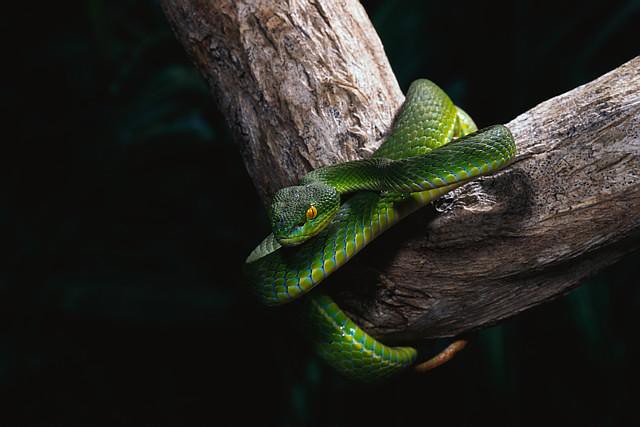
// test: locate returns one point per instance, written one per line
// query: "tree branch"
(301, 84)
(306, 84)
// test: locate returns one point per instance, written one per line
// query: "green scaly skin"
(414, 166)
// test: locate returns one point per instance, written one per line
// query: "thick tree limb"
(302, 84)
(305, 84)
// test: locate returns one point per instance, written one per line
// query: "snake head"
(300, 212)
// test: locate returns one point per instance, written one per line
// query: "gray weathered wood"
(566, 208)
(306, 83)
(302, 84)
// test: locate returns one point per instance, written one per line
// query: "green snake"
(337, 210)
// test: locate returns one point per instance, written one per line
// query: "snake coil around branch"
(307, 84)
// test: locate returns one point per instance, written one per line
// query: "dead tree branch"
(304, 84)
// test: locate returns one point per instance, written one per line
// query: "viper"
(335, 211)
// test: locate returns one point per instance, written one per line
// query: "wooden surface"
(304, 84)
(301, 84)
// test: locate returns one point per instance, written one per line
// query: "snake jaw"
(287, 240)
(299, 234)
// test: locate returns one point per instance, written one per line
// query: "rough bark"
(302, 84)
(305, 83)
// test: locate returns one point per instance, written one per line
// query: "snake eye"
(312, 212)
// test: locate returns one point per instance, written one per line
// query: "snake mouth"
(289, 241)
(300, 234)
(292, 240)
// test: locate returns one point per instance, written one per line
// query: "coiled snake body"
(414, 166)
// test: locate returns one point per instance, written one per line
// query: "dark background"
(129, 214)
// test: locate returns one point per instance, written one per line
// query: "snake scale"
(335, 211)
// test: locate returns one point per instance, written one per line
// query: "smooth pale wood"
(304, 84)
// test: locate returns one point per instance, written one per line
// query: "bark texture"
(306, 83)
(302, 84)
